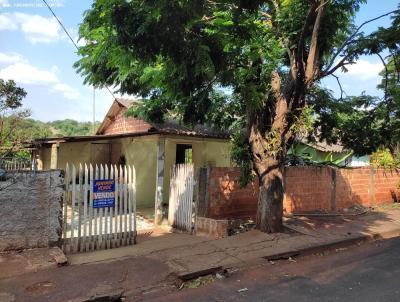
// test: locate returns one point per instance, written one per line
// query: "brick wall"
(30, 210)
(225, 197)
(124, 124)
(307, 189)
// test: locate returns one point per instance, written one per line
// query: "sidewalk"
(154, 260)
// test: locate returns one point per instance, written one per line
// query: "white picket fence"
(86, 228)
(180, 212)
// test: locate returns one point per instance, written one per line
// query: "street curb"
(319, 248)
(342, 243)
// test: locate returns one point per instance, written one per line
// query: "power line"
(69, 36)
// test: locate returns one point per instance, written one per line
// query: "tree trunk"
(270, 200)
(269, 133)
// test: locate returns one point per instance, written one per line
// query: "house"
(152, 148)
(321, 152)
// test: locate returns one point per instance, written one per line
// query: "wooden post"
(54, 156)
(158, 214)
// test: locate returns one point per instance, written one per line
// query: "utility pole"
(94, 111)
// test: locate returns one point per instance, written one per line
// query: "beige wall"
(214, 152)
(45, 158)
(142, 153)
(74, 153)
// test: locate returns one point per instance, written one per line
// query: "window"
(184, 154)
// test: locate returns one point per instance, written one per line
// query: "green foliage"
(304, 122)
(352, 122)
(241, 155)
(384, 158)
(11, 117)
(10, 95)
(176, 54)
(365, 123)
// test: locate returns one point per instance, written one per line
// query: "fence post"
(134, 203)
(106, 210)
(65, 208)
(333, 189)
(85, 209)
(371, 190)
(73, 239)
(158, 211)
(125, 205)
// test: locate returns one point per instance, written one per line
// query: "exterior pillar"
(158, 214)
(54, 156)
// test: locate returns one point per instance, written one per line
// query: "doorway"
(184, 154)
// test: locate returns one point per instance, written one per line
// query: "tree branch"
(300, 44)
(386, 74)
(351, 37)
(313, 53)
(338, 65)
(340, 86)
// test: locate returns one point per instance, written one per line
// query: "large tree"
(251, 63)
(11, 116)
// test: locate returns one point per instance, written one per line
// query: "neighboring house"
(321, 152)
(152, 148)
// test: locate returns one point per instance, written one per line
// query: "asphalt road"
(370, 272)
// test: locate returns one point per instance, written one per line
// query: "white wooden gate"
(180, 212)
(86, 228)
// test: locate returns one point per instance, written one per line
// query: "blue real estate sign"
(104, 193)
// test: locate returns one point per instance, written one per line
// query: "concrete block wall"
(30, 210)
(307, 189)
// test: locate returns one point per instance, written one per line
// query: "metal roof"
(152, 131)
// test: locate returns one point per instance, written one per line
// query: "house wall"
(74, 153)
(307, 189)
(77, 153)
(213, 152)
(45, 158)
(142, 153)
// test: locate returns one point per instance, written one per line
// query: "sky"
(36, 53)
